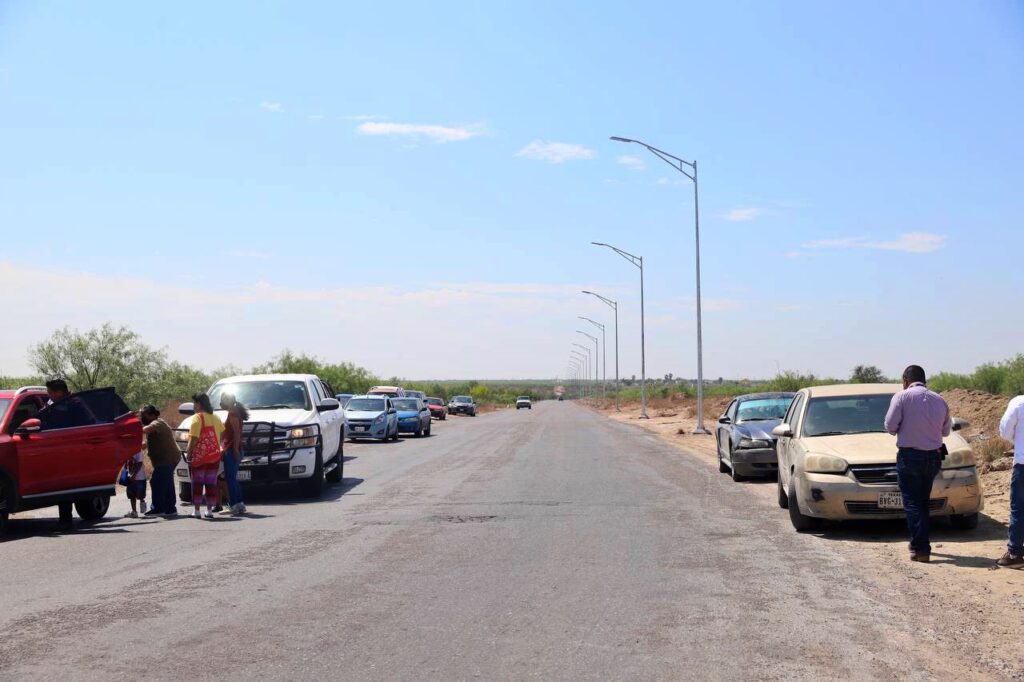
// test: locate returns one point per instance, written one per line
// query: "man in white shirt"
(1011, 427)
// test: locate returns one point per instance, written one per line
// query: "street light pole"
(584, 361)
(615, 307)
(680, 165)
(587, 349)
(637, 261)
(597, 354)
(604, 357)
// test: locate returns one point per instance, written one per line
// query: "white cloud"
(739, 215)
(555, 152)
(631, 162)
(316, 117)
(909, 242)
(364, 117)
(437, 133)
(273, 107)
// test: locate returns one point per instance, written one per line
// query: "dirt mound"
(983, 410)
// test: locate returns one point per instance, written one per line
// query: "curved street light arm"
(637, 261)
(670, 159)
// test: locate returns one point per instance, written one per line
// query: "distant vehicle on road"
(837, 462)
(343, 398)
(42, 467)
(389, 391)
(437, 408)
(295, 431)
(746, 445)
(416, 394)
(462, 404)
(413, 416)
(524, 401)
(371, 416)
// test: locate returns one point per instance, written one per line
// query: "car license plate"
(361, 428)
(890, 500)
(244, 475)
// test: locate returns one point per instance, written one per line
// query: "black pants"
(162, 485)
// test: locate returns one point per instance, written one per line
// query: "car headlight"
(824, 464)
(959, 458)
(379, 419)
(754, 443)
(303, 436)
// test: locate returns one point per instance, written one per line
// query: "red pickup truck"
(42, 467)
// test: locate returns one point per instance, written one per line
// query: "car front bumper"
(377, 431)
(755, 461)
(461, 409)
(842, 498)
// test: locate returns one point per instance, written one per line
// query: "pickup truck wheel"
(314, 485)
(964, 521)
(185, 492)
(801, 522)
(93, 508)
(338, 473)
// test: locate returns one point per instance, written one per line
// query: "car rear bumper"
(755, 461)
(841, 498)
(410, 427)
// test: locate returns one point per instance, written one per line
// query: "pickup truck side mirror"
(328, 404)
(724, 420)
(29, 426)
(960, 423)
(782, 431)
(186, 408)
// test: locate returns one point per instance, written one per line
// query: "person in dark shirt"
(64, 411)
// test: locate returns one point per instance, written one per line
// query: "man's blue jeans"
(162, 485)
(916, 471)
(1016, 543)
(231, 477)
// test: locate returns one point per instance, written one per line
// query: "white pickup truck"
(294, 432)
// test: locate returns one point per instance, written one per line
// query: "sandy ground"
(962, 579)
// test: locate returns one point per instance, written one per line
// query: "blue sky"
(414, 187)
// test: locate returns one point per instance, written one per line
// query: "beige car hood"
(866, 448)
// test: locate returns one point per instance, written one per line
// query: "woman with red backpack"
(204, 454)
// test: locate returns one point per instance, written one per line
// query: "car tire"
(783, 500)
(185, 492)
(801, 522)
(313, 486)
(336, 474)
(394, 436)
(5, 500)
(737, 478)
(427, 432)
(722, 468)
(418, 433)
(964, 521)
(93, 508)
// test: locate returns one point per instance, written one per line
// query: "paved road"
(544, 544)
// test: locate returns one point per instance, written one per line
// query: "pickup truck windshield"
(401, 404)
(264, 395)
(462, 399)
(848, 414)
(365, 405)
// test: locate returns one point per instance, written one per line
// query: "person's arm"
(947, 426)
(193, 436)
(1010, 421)
(894, 417)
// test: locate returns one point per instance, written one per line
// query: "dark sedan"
(746, 446)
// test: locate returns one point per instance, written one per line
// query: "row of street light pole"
(580, 364)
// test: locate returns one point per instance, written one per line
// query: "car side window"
(316, 392)
(794, 412)
(27, 408)
(733, 408)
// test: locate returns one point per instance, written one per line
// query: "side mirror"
(186, 408)
(960, 423)
(29, 426)
(782, 431)
(724, 420)
(328, 404)
(391, 411)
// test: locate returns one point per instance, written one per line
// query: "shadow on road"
(287, 494)
(895, 530)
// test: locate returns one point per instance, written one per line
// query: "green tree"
(344, 377)
(867, 374)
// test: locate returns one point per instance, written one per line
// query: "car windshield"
(763, 409)
(523, 397)
(366, 405)
(461, 399)
(846, 414)
(264, 395)
(434, 401)
(405, 404)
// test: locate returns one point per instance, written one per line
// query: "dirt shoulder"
(971, 606)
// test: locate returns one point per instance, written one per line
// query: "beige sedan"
(837, 462)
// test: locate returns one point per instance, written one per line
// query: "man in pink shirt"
(919, 418)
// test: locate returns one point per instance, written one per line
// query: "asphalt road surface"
(549, 544)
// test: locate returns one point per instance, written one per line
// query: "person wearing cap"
(919, 418)
(165, 455)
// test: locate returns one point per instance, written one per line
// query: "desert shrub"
(946, 381)
(990, 449)
(867, 374)
(988, 377)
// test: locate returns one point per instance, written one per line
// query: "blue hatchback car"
(413, 416)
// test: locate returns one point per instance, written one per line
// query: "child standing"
(135, 485)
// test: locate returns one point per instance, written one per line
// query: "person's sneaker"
(920, 558)
(1011, 560)
(238, 509)
(208, 515)
(170, 515)
(196, 514)
(152, 512)
(241, 508)
(218, 508)
(142, 507)
(131, 515)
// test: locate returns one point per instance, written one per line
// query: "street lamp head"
(616, 138)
